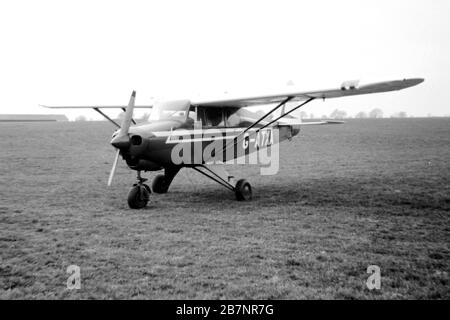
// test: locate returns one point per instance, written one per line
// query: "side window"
(213, 117)
(233, 118)
(192, 115)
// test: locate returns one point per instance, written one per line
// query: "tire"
(243, 190)
(159, 184)
(138, 197)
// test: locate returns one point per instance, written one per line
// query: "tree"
(311, 116)
(303, 115)
(401, 114)
(81, 118)
(361, 115)
(338, 114)
(376, 113)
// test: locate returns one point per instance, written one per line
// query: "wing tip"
(414, 81)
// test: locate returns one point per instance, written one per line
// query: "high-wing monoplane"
(194, 134)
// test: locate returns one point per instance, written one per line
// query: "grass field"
(369, 192)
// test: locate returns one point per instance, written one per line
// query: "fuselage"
(153, 144)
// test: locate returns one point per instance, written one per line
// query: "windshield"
(172, 110)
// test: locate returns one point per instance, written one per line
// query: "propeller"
(113, 170)
(122, 140)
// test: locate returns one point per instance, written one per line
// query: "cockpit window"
(233, 117)
(172, 110)
(219, 117)
(214, 117)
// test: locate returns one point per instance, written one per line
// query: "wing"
(92, 107)
(97, 108)
(348, 88)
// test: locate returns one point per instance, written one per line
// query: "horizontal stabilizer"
(299, 122)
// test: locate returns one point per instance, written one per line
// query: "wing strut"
(215, 177)
(234, 141)
(108, 118)
(283, 115)
(282, 103)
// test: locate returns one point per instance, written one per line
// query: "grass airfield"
(369, 192)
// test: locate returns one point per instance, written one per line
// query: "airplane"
(200, 124)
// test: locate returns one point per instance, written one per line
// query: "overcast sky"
(97, 52)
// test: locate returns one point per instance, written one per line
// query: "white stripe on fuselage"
(197, 131)
(199, 134)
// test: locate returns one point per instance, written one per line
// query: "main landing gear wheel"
(160, 184)
(243, 190)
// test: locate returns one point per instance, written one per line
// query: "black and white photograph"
(237, 153)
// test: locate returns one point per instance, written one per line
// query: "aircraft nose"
(121, 142)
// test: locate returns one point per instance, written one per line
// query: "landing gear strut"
(242, 189)
(139, 194)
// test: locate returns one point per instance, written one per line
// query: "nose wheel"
(139, 194)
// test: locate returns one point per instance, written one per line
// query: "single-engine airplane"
(200, 124)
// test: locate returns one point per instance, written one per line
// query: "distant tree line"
(401, 114)
(376, 113)
(119, 118)
(81, 118)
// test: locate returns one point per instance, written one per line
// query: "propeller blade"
(113, 170)
(128, 116)
(121, 140)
